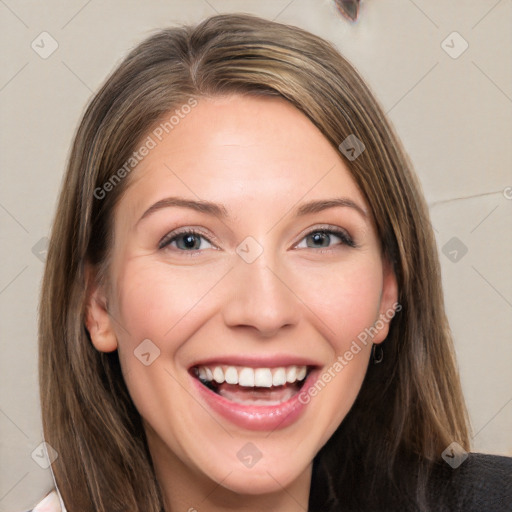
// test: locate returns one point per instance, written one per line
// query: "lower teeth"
(266, 397)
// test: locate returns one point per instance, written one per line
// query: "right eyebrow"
(217, 210)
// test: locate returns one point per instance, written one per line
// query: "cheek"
(164, 305)
(346, 298)
(154, 299)
(347, 304)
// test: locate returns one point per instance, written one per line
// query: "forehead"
(240, 150)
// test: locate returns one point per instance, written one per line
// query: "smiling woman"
(251, 316)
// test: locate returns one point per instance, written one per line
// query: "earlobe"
(97, 318)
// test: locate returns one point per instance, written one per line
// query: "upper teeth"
(252, 377)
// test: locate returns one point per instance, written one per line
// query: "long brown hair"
(410, 406)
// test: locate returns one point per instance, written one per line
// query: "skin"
(261, 159)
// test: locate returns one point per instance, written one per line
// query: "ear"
(389, 301)
(97, 318)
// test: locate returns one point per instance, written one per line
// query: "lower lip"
(253, 417)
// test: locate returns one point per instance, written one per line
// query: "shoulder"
(481, 482)
(50, 503)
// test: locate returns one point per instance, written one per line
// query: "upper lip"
(257, 361)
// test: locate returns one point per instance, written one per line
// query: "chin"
(259, 480)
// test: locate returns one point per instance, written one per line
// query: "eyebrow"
(324, 204)
(207, 207)
(220, 211)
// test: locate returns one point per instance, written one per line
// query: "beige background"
(453, 114)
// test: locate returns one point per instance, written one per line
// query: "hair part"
(410, 406)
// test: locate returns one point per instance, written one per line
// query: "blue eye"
(321, 238)
(186, 241)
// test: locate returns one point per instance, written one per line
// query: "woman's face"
(281, 274)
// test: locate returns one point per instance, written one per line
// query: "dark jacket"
(482, 483)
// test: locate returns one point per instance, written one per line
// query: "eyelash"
(345, 238)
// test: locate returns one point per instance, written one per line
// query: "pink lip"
(252, 417)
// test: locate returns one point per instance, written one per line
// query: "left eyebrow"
(324, 204)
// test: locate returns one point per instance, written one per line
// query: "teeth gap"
(211, 385)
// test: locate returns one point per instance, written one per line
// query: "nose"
(261, 298)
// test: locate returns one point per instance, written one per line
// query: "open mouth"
(253, 386)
